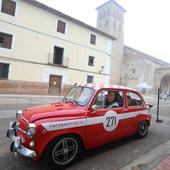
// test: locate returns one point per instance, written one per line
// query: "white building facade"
(42, 48)
(43, 51)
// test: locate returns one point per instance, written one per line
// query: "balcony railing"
(64, 63)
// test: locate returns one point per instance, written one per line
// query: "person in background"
(129, 101)
(167, 95)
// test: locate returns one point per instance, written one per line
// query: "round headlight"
(31, 131)
(32, 144)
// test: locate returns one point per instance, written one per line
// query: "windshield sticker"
(49, 126)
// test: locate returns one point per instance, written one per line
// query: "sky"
(146, 26)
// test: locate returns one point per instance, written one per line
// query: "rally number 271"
(111, 121)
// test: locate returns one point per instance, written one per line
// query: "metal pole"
(157, 120)
(158, 105)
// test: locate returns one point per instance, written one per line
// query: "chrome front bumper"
(15, 142)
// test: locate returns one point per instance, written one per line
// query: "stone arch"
(165, 83)
(162, 79)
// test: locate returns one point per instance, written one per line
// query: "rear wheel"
(62, 152)
(142, 129)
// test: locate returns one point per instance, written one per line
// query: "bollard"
(157, 119)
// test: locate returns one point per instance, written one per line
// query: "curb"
(151, 159)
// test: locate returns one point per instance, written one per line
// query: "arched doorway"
(162, 80)
(165, 84)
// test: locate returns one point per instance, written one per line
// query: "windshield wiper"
(70, 100)
(73, 101)
(65, 99)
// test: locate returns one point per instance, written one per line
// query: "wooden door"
(55, 84)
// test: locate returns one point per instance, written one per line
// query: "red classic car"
(90, 115)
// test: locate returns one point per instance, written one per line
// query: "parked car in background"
(90, 115)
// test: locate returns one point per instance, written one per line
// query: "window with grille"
(8, 7)
(4, 70)
(91, 61)
(61, 27)
(93, 39)
(5, 40)
(90, 79)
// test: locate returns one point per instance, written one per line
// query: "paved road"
(113, 156)
(12, 102)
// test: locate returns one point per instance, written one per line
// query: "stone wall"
(23, 87)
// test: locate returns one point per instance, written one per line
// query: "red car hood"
(51, 110)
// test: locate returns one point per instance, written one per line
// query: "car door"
(134, 107)
(103, 123)
(125, 124)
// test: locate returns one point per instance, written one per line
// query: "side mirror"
(94, 108)
(148, 107)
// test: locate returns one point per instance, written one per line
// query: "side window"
(100, 99)
(109, 99)
(133, 99)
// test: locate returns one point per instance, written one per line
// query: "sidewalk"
(8, 113)
(157, 159)
(28, 96)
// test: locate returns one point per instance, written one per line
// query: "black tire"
(62, 152)
(142, 129)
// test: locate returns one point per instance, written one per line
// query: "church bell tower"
(110, 19)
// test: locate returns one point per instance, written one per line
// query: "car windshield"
(79, 95)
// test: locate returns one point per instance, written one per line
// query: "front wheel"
(142, 129)
(62, 152)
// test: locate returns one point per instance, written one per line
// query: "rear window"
(133, 99)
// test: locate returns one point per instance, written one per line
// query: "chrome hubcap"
(65, 151)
